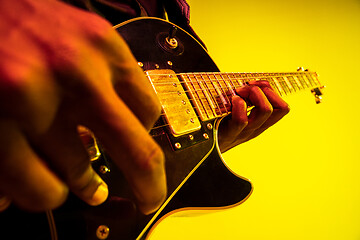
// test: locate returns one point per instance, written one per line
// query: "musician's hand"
(239, 127)
(61, 67)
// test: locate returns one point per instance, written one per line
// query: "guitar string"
(203, 99)
(292, 82)
(243, 80)
(239, 75)
(167, 124)
(206, 109)
(242, 74)
(227, 89)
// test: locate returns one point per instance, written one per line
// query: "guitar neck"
(211, 92)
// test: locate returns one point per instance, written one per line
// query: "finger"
(131, 148)
(4, 203)
(135, 90)
(130, 82)
(280, 107)
(260, 84)
(231, 126)
(24, 177)
(276, 101)
(66, 154)
(262, 108)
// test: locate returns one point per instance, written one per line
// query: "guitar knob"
(171, 40)
(172, 43)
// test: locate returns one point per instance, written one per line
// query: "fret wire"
(301, 80)
(294, 83)
(276, 84)
(309, 77)
(273, 85)
(200, 98)
(298, 82)
(283, 84)
(291, 82)
(226, 87)
(308, 83)
(212, 94)
(217, 88)
(227, 74)
(306, 80)
(240, 80)
(220, 91)
(224, 95)
(196, 92)
(203, 90)
(290, 87)
(225, 79)
(200, 93)
(236, 84)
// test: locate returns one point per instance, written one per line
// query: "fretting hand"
(239, 127)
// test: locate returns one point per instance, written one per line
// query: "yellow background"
(305, 170)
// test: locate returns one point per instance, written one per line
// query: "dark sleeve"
(117, 11)
(179, 14)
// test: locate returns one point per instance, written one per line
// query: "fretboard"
(211, 92)
(187, 98)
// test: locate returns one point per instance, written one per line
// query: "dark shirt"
(117, 11)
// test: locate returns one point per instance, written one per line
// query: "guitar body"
(196, 175)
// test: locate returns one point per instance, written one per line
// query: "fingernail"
(4, 203)
(100, 195)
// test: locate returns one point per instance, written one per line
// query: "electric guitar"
(194, 96)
